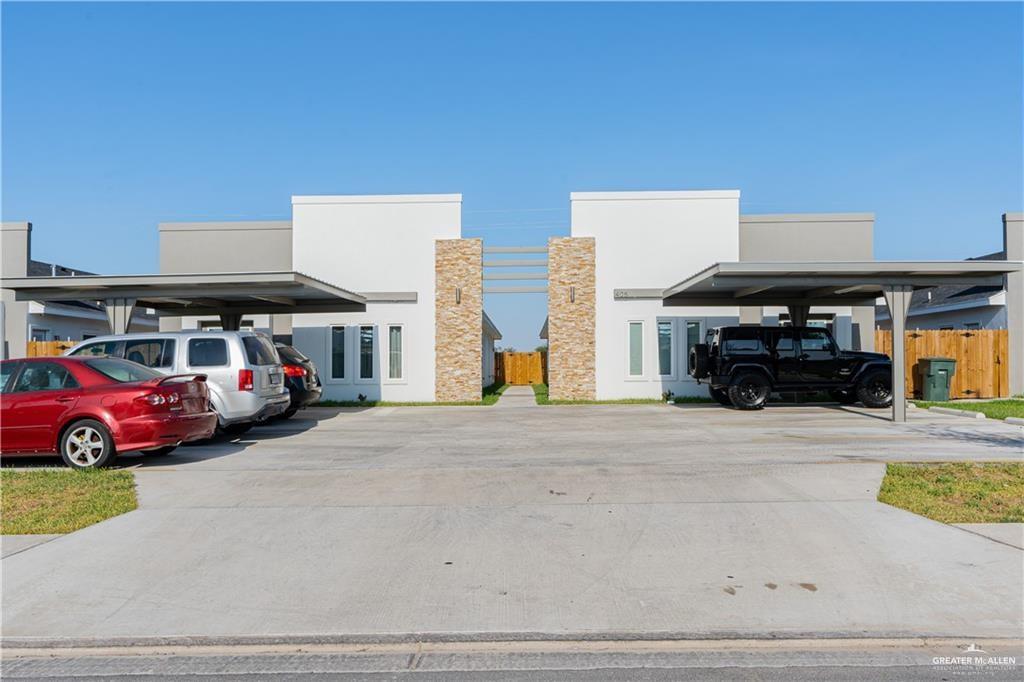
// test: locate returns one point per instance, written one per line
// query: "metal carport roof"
(800, 285)
(229, 295)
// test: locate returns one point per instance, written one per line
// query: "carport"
(800, 285)
(227, 295)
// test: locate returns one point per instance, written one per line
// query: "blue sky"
(118, 116)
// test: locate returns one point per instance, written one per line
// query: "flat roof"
(656, 194)
(824, 283)
(197, 294)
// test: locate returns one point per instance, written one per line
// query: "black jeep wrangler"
(744, 365)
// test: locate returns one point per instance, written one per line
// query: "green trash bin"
(936, 377)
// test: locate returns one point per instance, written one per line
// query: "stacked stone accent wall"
(571, 350)
(458, 267)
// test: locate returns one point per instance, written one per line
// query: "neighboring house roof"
(950, 296)
(489, 328)
(38, 268)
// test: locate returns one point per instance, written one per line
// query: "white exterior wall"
(373, 244)
(650, 240)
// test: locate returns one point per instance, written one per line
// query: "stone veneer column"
(458, 316)
(572, 304)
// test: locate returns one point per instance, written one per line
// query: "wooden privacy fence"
(520, 369)
(37, 349)
(982, 359)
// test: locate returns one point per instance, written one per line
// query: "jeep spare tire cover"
(700, 361)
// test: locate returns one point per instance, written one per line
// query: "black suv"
(744, 365)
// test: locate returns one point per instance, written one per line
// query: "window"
(44, 376)
(366, 352)
(7, 370)
(40, 334)
(395, 369)
(207, 352)
(337, 352)
(636, 349)
(100, 349)
(746, 340)
(783, 343)
(817, 344)
(972, 325)
(150, 352)
(122, 371)
(664, 347)
(259, 350)
(692, 338)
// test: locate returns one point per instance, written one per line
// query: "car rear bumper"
(153, 431)
(303, 395)
(248, 407)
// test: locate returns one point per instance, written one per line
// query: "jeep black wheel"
(749, 391)
(720, 395)
(843, 397)
(875, 388)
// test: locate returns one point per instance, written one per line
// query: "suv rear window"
(289, 354)
(259, 350)
(743, 341)
(207, 352)
(122, 371)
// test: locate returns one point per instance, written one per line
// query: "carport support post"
(119, 314)
(897, 297)
(798, 315)
(230, 322)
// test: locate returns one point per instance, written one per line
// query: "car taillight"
(158, 399)
(245, 380)
(294, 370)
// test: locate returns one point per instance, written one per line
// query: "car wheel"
(289, 413)
(875, 388)
(720, 395)
(86, 444)
(165, 450)
(843, 397)
(238, 429)
(749, 391)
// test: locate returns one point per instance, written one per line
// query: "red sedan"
(89, 409)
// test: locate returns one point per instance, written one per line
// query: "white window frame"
(673, 323)
(386, 371)
(329, 360)
(702, 330)
(358, 355)
(643, 359)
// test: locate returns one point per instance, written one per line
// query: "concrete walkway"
(604, 521)
(12, 544)
(517, 396)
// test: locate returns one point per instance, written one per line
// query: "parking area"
(558, 521)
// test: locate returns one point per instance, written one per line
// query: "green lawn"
(540, 391)
(489, 396)
(960, 492)
(40, 501)
(993, 409)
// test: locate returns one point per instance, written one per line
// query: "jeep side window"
(783, 343)
(743, 341)
(817, 344)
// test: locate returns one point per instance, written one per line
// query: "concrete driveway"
(596, 521)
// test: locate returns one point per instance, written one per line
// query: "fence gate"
(982, 359)
(48, 348)
(520, 369)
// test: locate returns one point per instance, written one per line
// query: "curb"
(482, 638)
(957, 413)
(1014, 420)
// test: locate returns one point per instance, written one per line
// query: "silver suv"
(243, 371)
